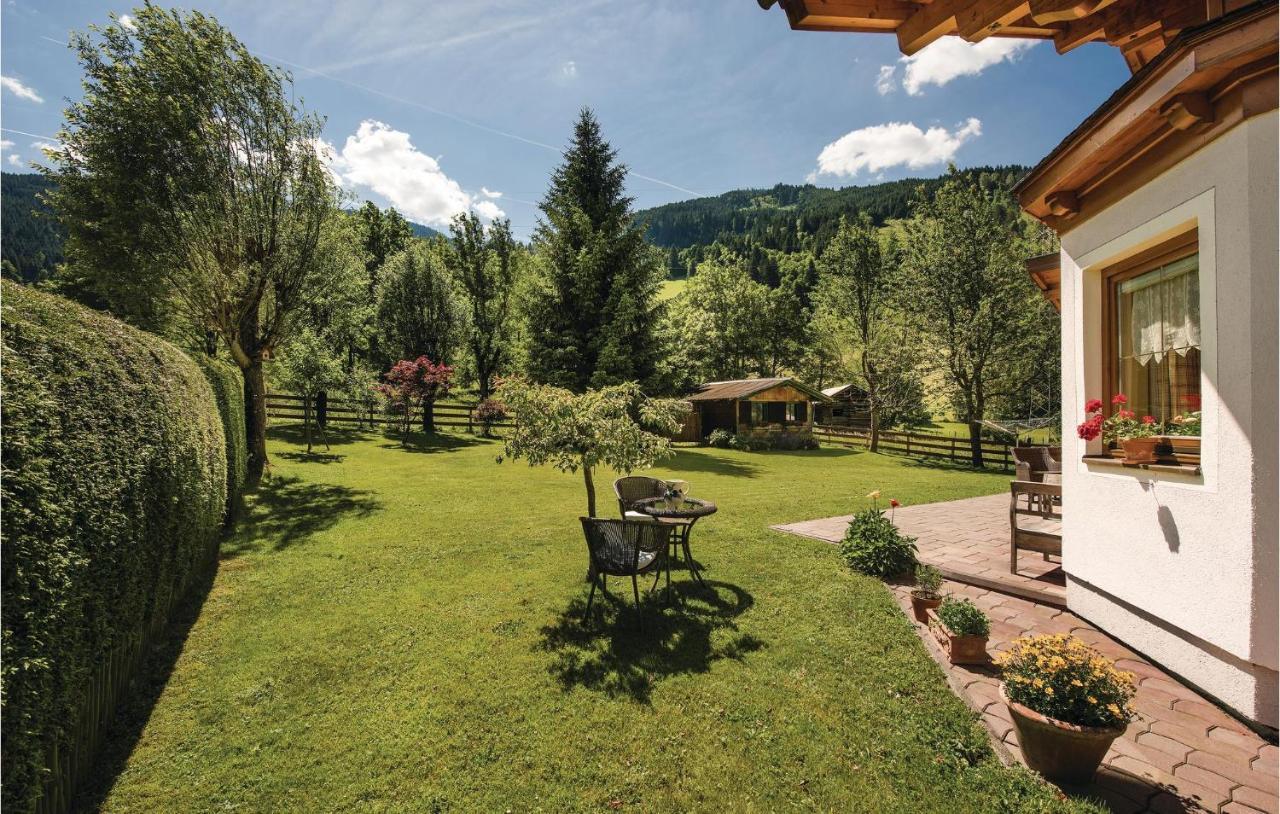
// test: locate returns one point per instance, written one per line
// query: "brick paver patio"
(967, 540)
(1182, 753)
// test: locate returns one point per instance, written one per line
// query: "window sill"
(1107, 460)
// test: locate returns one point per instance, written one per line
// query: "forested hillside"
(31, 244)
(787, 217)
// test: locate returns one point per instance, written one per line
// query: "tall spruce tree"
(592, 320)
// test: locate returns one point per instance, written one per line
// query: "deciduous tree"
(191, 190)
(617, 426)
(484, 264)
(418, 312)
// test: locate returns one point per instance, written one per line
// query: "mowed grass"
(671, 289)
(397, 629)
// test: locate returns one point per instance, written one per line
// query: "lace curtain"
(1165, 310)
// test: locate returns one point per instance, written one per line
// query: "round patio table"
(682, 513)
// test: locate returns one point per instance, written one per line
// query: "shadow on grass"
(134, 710)
(337, 435)
(314, 457)
(282, 512)
(945, 465)
(623, 651)
(432, 441)
(687, 461)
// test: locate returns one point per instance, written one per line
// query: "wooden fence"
(913, 443)
(447, 413)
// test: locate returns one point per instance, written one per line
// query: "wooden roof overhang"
(738, 389)
(1046, 272)
(1205, 82)
(1139, 28)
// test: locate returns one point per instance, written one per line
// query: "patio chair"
(631, 490)
(623, 548)
(1031, 463)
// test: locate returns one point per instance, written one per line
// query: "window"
(1153, 341)
(757, 413)
(791, 411)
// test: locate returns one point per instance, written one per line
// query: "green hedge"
(115, 483)
(228, 391)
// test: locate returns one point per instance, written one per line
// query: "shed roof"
(841, 390)
(742, 388)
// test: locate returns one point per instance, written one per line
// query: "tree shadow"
(284, 511)
(313, 457)
(686, 461)
(419, 441)
(623, 651)
(131, 716)
(294, 433)
(945, 465)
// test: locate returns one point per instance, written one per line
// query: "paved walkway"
(1182, 753)
(967, 540)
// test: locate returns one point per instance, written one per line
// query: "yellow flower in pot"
(1068, 703)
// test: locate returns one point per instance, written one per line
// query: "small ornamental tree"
(618, 427)
(309, 366)
(417, 383)
(489, 412)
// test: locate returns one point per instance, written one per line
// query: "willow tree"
(191, 189)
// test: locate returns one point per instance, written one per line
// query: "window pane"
(1158, 327)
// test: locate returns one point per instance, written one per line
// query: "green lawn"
(398, 630)
(671, 289)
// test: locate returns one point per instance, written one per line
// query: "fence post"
(908, 434)
(953, 449)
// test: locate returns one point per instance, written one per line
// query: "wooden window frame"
(1169, 251)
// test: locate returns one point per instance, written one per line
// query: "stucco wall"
(1184, 567)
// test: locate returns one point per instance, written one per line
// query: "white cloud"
(5, 144)
(383, 160)
(947, 59)
(127, 23)
(14, 159)
(569, 70)
(888, 145)
(18, 89)
(489, 193)
(887, 79)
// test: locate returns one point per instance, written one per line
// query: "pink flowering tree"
(413, 384)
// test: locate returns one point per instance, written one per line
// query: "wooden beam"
(1061, 11)
(927, 26)
(979, 20)
(848, 15)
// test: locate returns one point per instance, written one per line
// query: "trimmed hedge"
(115, 483)
(228, 391)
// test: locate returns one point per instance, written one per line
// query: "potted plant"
(1181, 439)
(1068, 703)
(1138, 437)
(926, 596)
(962, 629)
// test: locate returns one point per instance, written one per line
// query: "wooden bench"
(1039, 500)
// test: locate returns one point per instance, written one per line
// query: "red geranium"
(1091, 428)
(1119, 398)
(1093, 405)
(1148, 419)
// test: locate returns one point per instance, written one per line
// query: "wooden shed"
(848, 406)
(745, 404)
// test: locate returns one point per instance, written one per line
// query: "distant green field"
(671, 288)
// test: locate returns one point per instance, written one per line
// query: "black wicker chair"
(623, 548)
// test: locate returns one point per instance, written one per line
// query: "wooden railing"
(913, 443)
(447, 413)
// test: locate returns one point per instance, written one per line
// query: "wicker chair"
(623, 548)
(1033, 462)
(633, 489)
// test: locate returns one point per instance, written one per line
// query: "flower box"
(959, 649)
(1183, 450)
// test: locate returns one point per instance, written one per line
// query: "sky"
(437, 106)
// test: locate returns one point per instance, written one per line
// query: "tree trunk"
(429, 414)
(591, 491)
(306, 420)
(875, 427)
(255, 419)
(975, 442)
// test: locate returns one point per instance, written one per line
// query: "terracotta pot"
(1062, 752)
(921, 605)
(959, 649)
(1139, 450)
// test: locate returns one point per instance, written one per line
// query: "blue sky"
(439, 106)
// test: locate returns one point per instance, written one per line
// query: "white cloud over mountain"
(383, 160)
(882, 146)
(947, 59)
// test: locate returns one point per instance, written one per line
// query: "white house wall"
(1182, 567)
